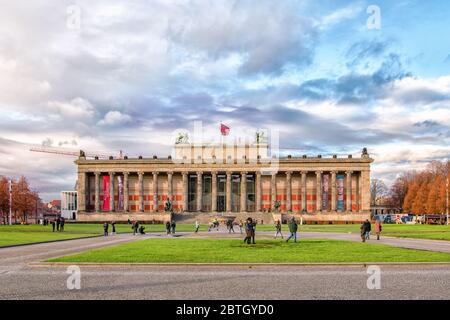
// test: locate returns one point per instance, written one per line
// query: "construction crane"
(74, 153)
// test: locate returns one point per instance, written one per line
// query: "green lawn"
(22, 234)
(25, 234)
(435, 232)
(265, 251)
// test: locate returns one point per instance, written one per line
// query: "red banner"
(106, 197)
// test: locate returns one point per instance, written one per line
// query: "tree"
(433, 195)
(399, 189)
(378, 190)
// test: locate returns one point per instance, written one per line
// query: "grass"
(23, 234)
(175, 250)
(27, 234)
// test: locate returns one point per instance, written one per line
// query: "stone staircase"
(206, 217)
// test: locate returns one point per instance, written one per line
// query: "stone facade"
(199, 179)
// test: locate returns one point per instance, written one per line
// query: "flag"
(106, 184)
(224, 130)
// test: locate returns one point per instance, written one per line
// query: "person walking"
(63, 221)
(241, 225)
(58, 222)
(135, 227)
(173, 225)
(278, 229)
(53, 225)
(378, 229)
(197, 226)
(248, 230)
(168, 227)
(113, 225)
(365, 230)
(105, 229)
(293, 227)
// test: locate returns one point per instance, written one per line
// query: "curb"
(250, 265)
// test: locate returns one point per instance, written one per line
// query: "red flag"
(224, 130)
(106, 198)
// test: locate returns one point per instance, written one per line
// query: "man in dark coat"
(63, 221)
(58, 222)
(250, 229)
(365, 230)
(168, 227)
(173, 225)
(105, 229)
(113, 225)
(53, 225)
(293, 227)
(135, 227)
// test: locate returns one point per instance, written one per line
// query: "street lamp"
(10, 202)
(446, 197)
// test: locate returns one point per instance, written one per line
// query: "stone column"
(358, 191)
(228, 196)
(97, 191)
(214, 191)
(125, 191)
(81, 190)
(349, 191)
(185, 191)
(243, 191)
(304, 203)
(273, 190)
(199, 190)
(155, 191)
(318, 190)
(289, 191)
(333, 191)
(111, 191)
(365, 190)
(258, 191)
(169, 185)
(141, 190)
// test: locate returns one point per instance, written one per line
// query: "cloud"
(77, 108)
(115, 118)
(276, 34)
(340, 15)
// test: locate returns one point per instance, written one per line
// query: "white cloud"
(77, 108)
(113, 118)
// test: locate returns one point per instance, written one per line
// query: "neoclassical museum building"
(204, 181)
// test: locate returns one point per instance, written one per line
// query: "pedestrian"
(368, 229)
(135, 227)
(230, 226)
(113, 225)
(63, 221)
(365, 230)
(293, 227)
(105, 229)
(378, 229)
(141, 229)
(173, 225)
(53, 225)
(241, 225)
(278, 229)
(168, 227)
(58, 222)
(197, 226)
(250, 228)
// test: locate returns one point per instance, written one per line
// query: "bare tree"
(378, 190)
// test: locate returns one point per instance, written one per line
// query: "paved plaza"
(24, 277)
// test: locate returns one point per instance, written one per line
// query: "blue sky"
(123, 76)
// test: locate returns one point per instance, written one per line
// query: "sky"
(329, 76)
